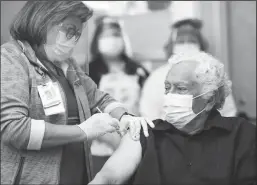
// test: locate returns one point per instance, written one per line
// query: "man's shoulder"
(161, 125)
(238, 122)
(157, 121)
(240, 128)
(246, 126)
(148, 142)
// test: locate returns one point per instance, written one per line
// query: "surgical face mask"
(178, 109)
(185, 47)
(63, 47)
(111, 46)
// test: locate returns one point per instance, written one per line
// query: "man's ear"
(211, 102)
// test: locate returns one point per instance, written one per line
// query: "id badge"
(51, 98)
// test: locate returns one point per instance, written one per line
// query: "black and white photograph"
(128, 92)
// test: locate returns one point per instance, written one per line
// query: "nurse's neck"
(64, 66)
(61, 64)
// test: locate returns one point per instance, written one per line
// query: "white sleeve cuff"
(109, 108)
(37, 132)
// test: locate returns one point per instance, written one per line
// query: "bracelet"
(126, 113)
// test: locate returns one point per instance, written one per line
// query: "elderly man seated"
(194, 144)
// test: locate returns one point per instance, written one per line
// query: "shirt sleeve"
(143, 141)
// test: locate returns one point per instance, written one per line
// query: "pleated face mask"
(178, 109)
(63, 45)
(65, 41)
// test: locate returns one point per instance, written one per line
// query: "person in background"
(47, 101)
(114, 71)
(185, 37)
(112, 63)
(194, 143)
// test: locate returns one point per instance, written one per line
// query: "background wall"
(230, 28)
(242, 53)
(8, 10)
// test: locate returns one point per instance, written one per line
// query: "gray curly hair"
(210, 72)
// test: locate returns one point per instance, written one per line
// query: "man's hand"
(134, 125)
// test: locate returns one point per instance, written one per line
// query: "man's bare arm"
(122, 164)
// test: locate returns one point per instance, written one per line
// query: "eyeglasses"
(70, 31)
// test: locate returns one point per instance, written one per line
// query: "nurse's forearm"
(115, 109)
(57, 135)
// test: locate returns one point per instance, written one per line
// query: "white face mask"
(185, 47)
(178, 109)
(111, 46)
(62, 47)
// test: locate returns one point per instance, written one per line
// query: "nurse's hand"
(134, 125)
(98, 125)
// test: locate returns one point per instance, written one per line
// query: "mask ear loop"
(205, 105)
(201, 94)
(204, 94)
(208, 91)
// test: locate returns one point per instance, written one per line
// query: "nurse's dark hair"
(33, 20)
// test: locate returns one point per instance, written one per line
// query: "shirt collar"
(71, 71)
(214, 120)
